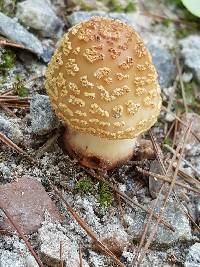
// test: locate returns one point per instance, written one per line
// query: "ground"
(73, 216)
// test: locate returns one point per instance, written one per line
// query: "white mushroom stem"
(109, 152)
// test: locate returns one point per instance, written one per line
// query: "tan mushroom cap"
(101, 80)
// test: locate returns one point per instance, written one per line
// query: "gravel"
(33, 129)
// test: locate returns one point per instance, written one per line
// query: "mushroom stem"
(95, 152)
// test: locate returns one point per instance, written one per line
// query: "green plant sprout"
(19, 88)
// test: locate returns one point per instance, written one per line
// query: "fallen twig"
(8, 111)
(87, 229)
(61, 254)
(126, 198)
(10, 143)
(7, 42)
(167, 195)
(80, 255)
(21, 234)
(47, 145)
(167, 179)
(187, 162)
(14, 101)
(182, 122)
(6, 92)
(182, 85)
(183, 208)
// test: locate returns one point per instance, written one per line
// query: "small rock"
(145, 150)
(10, 128)
(193, 256)
(14, 31)
(51, 235)
(43, 120)
(167, 92)
(78, 16)
(169, 117)
(164, 63)
(115, 238)
(26, 201)
(5, 171)
(192, 147)
(187, 77)
(39, 15)
(191, 54)
(163, 238)
(139, 22)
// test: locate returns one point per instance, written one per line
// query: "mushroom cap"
(101, 80)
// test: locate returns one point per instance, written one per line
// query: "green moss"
(3, 79)
(84, 185)
(104, 195)
(130, 7)
(168, 141)
(166, 22)
(19, 88)
(7, 59)
(116, 6)
(182, 32)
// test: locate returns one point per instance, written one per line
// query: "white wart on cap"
(103, 86)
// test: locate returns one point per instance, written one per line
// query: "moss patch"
(19, 88)
(104, 195)
(7, 59)
(116, 6)
(84, 185)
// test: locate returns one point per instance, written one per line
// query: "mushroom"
(103, 86)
